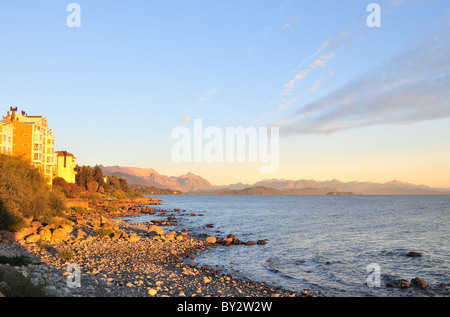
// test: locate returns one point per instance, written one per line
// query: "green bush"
(15, 260)
(65, 254)
(104, 231)
(25, 193)
(21, 286)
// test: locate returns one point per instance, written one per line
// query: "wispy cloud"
(206, 96)
(411, 87)
(318, 62)
(318, 59)
(293, 22)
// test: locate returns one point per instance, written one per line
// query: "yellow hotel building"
(30, 138)
(65, 166)
(6, 137)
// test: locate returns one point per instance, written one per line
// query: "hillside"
(149, 177)
(194, 184)
(261, 190)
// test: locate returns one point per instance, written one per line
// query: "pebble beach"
(118, 258)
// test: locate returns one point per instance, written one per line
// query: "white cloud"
(411, 87)
(318, 62)
(293, 22)
(206, 96)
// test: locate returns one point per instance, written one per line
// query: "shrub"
(15, 260)
(65, 254)
(104, 231)
(21, 286)
(69, 190)
(25, 193)
(92, 187)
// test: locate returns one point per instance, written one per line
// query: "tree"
(84, 176)
(123, 184)
(92, 187)
(25, 193)
(97, 175)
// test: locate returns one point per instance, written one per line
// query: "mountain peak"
(150, 177)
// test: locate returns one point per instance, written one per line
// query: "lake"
(329, 244)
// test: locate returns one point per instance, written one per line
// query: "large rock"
(155, 229)
(59, 220)
(67, 228)
(25, 232)
(211, 240)
(414, 254)
(6, 236)
(227, 241)
(59, 235)
(33, 238)
(81, 234)
(419, 282)
(170, 236)
(133, 237)
(45, 234)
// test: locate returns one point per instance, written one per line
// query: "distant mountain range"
(150, 177)
(194, 184)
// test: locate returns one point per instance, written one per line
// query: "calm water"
(307, 233)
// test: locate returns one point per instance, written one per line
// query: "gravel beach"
(103, 256)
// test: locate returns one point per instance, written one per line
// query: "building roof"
(64, 153)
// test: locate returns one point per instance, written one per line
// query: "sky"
(351, 102)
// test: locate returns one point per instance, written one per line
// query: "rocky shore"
(99, 255)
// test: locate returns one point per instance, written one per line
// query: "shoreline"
(129, 261)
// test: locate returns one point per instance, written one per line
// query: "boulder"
(81, 234)
(211, 240)
(414, 254)
(133, 237)
(155, 229)
(25, 232)
(96, 222)
(392, 285)
(170, 236)
(59, 220)
(227, 241)
(67, 228)
(45, 234)
(261, 242)
(115, 236)
(6, 236)
(404, 284)
(33, 238)
(419, 282)
(82, 222)
(250, 243)
(59, 235)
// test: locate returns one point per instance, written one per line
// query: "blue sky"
(352, 102)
